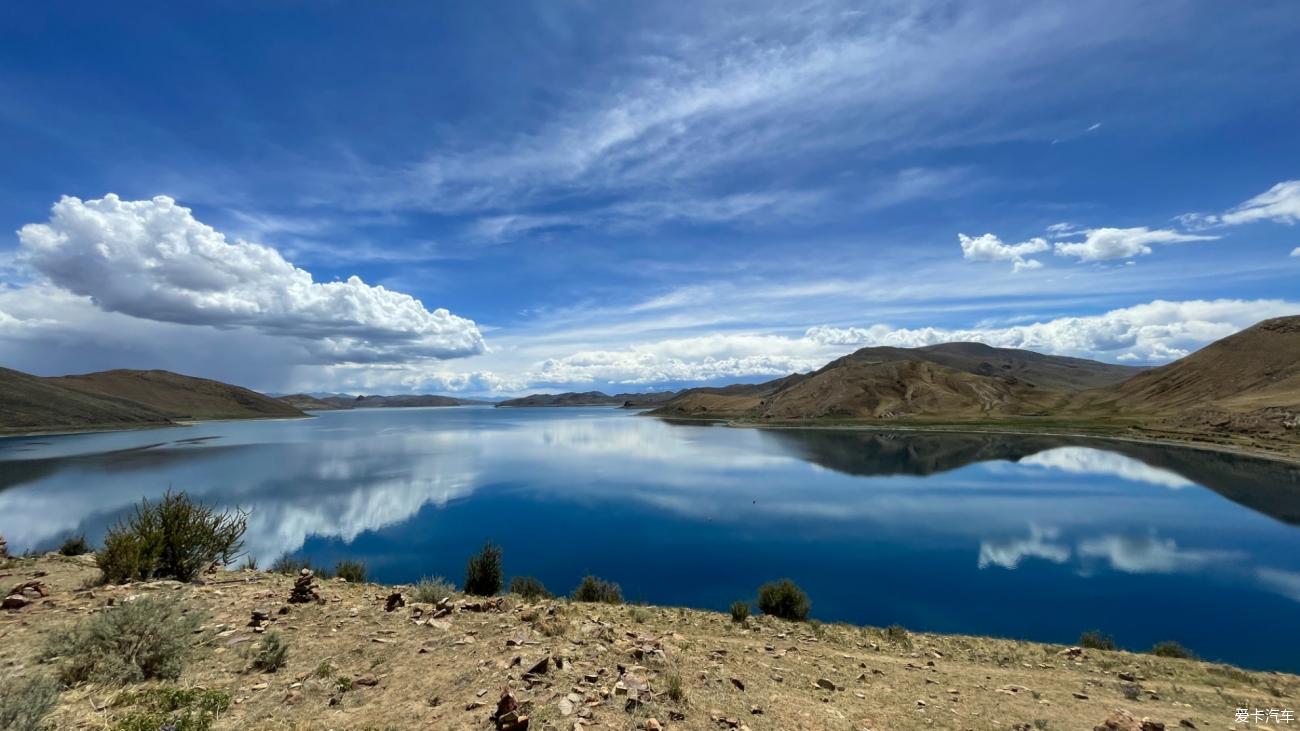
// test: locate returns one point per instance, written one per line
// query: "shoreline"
(74, 431)
(1292, 458)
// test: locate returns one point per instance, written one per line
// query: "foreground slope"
(124, 399)
(352, 665)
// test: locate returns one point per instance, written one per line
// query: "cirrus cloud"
(152, 259)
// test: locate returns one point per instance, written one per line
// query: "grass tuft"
(354, 572)
(739, 611)
(272, 653)
(1097, 640)
(598, 590)
(431, 590)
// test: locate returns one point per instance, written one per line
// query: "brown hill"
(1249, 381)
(123, 399)
(953, 380)
(308, 402)
(588, 398)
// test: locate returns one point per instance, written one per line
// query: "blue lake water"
(1025, 537)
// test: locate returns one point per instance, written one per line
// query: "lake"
(1026, 537)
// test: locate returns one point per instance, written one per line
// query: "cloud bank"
(152, 259)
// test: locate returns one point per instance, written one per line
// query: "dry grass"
(427, 675)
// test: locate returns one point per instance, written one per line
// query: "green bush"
(292, 565)
(272, 653)
(529, 588)
(174, 538)
(352, 571)
(739, 611)
(1097, 640)
(431, 590)
(138, 640)
(179, 709)
(74, 546)
(598, 590)
(26, 701)
(1169, 648)
(783, 599)
(483, 572)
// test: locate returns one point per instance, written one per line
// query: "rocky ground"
(564, 665)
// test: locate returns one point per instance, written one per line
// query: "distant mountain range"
(590, 398)
(124, 399)
(308, 402)
(1245, 387)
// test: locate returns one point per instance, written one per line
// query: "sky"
(499, 198)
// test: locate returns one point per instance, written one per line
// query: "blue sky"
(497, 198)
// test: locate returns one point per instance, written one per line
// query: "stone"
(367, 680)
(825, 684)
(15, 601)
(1120, 720)
(293, 697)
(1186, 723)
(740, 684)
(541, 666)
(304, 590)
(394, 601)
(1080, 696)
(1071, 652)
(652, 724)
(1130, 677)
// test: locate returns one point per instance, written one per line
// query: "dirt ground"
(353, 665)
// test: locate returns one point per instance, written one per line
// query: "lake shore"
(352, 664)
(1285, 452)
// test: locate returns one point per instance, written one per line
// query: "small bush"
(483, 571)
(640, 615)
(292, 565)
(74, 546)
(674, 687)
(529, 587)
(343, 683)
(783, 599)
(272, 653)
(138, 640)
(1131, 691)
(1169, 648)
(1096, 640)
(353, 572)
(175, 538)
(739, 611)
(179, 709)
(898, 635)
(431, 590)
(598, 590)
(25, 702)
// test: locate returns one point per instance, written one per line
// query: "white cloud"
(1100, 244)
(153, 260)
(1280, 204)
(1150, 554)
(1295, 252)
(990, 248)
(1009, 553)
(1156, 331)
(1081, 460)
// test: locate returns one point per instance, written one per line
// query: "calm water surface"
(1027, 537)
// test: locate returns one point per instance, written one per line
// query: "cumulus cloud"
(153, 260)
(1156, 331)
(1010, 552)
(1296, 252)
(990, 248)
(1150, 554)
(1100, 244)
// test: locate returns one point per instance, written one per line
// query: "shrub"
(739, 611)
(431, 590)
(352, 571)
(250, 563)
(783, 599)
(272, 653)
(175, 538)
(483, 571)
(897, 634)
(598, 590)
(178, 709)
(529, 587)
(1097, 640)
(640, 615)
(24, 702)
(74, 546)
(292, 565)
(146, 638)
(1169, 648)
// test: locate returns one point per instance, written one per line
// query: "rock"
(825, 684)
(293, 697)
(1186, 723)
(740, 684)
(394, 601)
(1130, 677)
(652, 724)
(1080, 696)
(755, 710)
(304, 591)
(1120, 720)
(31, 589)
(1149, 725)
(15, 601)
(540, 667)
(507, 715)
(1071, 652)
(366, 680)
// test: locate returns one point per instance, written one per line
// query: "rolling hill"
(953, 380)
(124, 399)
(589, 398)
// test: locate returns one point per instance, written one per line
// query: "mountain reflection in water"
(1022, 536)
